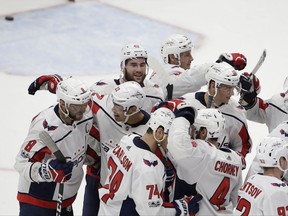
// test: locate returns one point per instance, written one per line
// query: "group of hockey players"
(155, 149)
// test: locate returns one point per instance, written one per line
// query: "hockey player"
(222, 80)
(116, 115)
(266, 194)
(214, 173)
(280, 131)
(69, 123)
(176, 53)
(270, 112)
(137, 176)
(133, 68)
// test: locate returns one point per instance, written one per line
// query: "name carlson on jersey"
(123, 159)
(227, 168)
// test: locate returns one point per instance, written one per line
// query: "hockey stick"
(162, 74)
(254, 71)
(47, 140)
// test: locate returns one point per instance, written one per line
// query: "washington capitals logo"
(50, 128)
(101, 83)
(283, 132)
(279, 185)
(150, 163)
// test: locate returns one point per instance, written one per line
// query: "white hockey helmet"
(73, 91)
(129, 94)
(175, 44)
(212, 120)
(270, 150)
(161, 117)
(131, 51)
(222, 73)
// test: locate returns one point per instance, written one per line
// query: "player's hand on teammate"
(180, 107)
(249, 87)
(45, 82)
(52, 170)
(188, 205)
(236, 60)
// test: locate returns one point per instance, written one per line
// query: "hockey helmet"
(161, 117)
(222, 73)
(175, 44)
(129, 94)
(73, 91)
(212, 120)
(270, 150)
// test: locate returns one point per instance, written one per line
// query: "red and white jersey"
(153, 92)
(184, 81)
(72, 140)
(110, 130)
(236, 135)
(136, 181)
(216, 172)
(280, 131)
(263, 195)
(270, 112)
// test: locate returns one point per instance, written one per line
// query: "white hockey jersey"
(110, 130)
(72, 140)
(153, 92)
(136, 181)
(217, 173)
(184, 81)
(263, 195)
(270, 112)
(236, 135)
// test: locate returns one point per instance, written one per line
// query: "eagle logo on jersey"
(101, 83)
(50, 128)
(279, 185)
(150, 163)
(283, 132)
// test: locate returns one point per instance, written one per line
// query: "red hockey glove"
(52, 170)
(236, 60)
(45, 82)
(188, 205)
(249, 87)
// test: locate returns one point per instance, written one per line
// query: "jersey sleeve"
(189, 81)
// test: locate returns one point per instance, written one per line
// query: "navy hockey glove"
(250, 87)
(52, 170)
(186, 112)
(170, 175)
(236, 60)
(188, 205)
(45, 82)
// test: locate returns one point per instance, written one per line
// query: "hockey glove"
(170, 175)
(52, 170)
(188, 205)
(45, 82)
(186, 112)
(236, 60)
(250, 87)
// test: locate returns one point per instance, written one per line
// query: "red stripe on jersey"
(38, 156)
(94, 132)
(262, 104)
(26, 198)
(245, 141)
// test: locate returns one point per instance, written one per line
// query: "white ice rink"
(223, 25)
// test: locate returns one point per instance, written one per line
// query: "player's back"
(217, 174)
(134, 166)
(262, 195)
